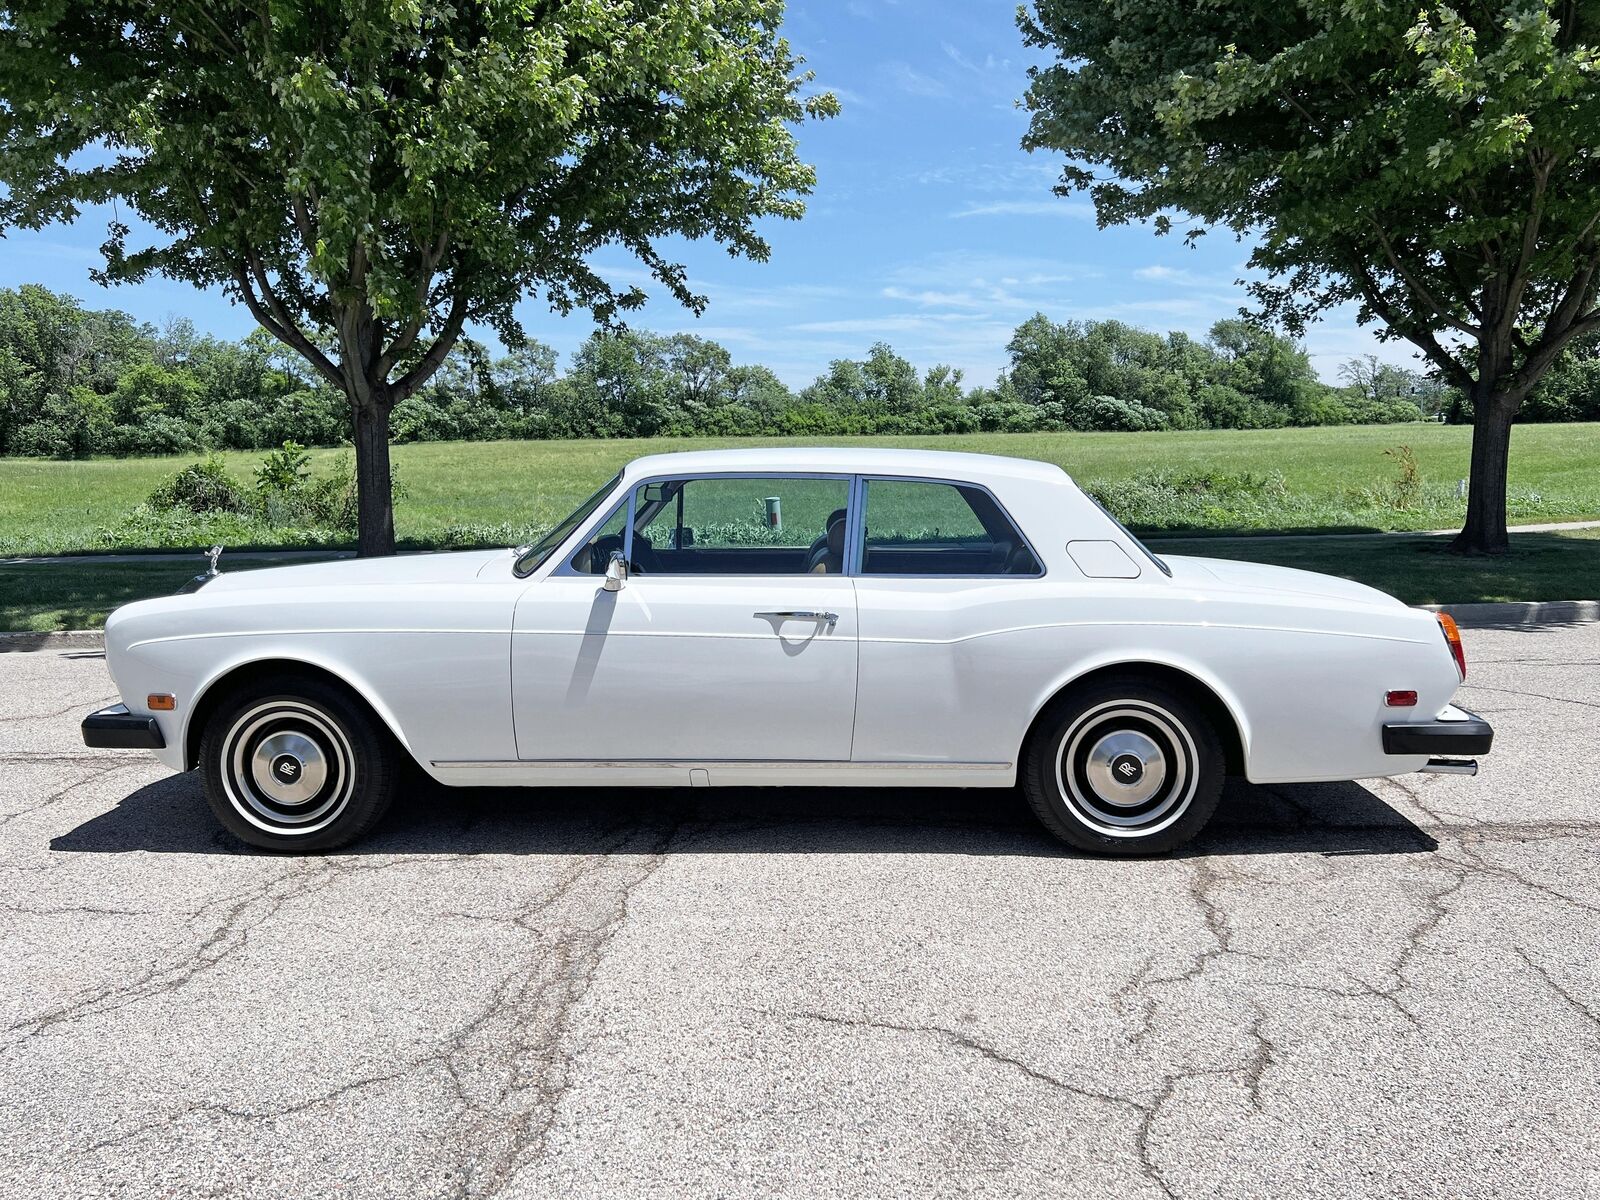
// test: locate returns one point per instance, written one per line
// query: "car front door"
(732, 640)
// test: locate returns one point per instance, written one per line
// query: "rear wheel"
(1124, 766)
(297, 765)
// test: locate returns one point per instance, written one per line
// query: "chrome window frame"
(855, 566)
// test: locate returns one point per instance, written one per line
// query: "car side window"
(592, 557)
(740, 526)
(915, 527)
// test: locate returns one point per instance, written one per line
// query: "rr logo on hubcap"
(286, 768)
(1127, 769)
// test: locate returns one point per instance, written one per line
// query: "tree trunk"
(374, 491)
(1485, 530)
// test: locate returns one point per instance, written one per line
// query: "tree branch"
(1417, 289)
(278, 323)
(1419, 337)
(431, 361)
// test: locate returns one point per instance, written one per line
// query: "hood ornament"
(206, 576)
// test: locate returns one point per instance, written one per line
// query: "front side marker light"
(161, 702)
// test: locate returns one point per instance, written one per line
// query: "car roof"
(934, 464)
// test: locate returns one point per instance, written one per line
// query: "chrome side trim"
(743, 764)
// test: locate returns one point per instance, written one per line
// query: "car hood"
(1259, 577)
(456, 567)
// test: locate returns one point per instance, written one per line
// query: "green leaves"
(410, 163)
(1432, 165)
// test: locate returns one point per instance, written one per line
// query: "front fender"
(289, 657)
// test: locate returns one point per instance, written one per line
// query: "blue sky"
(930, 228)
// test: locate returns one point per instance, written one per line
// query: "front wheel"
(297, 765)
(1123, 767)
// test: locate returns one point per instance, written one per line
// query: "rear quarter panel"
(960, 669)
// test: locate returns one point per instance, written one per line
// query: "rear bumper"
(1454, 732)
(116, 728)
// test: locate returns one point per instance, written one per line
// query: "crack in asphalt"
(79, 706)
(108, 767)
(23, 756)
(224, 939)
(507, 1067)
(1479, 687)
(254, 1115)
(504, 1067)
(1144, 1113)
(1572, 1002)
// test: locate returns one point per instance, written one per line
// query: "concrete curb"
(1521, 614)
(70, 639)
(1518, 615)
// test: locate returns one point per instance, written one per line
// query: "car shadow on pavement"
(171, 817)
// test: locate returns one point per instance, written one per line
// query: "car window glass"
(593, 555)
(736, 526)
(925, 528)
(530, 558)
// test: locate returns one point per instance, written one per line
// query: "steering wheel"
(602, 548)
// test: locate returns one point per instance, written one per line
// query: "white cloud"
(913, 82)
(1029, 208)
(1161, 274)
(936, 299)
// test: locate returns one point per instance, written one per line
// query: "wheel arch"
(224, 682)
(1213, 698)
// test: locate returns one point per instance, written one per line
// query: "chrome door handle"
(831, 618)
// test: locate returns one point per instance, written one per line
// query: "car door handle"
(831, 618)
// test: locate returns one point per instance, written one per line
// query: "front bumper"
(1454, 732)
(116, 728)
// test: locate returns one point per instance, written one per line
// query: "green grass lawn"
(482, 493)
(43, 597)
(1541, 566)
(1419, 570)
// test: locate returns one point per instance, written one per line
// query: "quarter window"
(925, 528)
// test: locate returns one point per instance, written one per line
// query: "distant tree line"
(76, 382)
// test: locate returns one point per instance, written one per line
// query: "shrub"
(1407, 487)
(202, 487)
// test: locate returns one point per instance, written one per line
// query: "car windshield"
(531, 558)
(1148, 553)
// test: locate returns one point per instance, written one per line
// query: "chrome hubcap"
(1126, 768)
(287, 767)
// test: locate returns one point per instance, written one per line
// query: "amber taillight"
(1452, 637)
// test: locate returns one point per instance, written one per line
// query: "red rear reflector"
(1452, 636)
(161, 701)
(1400, 699)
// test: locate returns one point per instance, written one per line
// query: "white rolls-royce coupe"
(790, 616)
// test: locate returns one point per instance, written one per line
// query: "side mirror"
(616, 572)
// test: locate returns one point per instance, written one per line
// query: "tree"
(1435, 168)
(369, 178)
(881, 385)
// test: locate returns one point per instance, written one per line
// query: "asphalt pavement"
(1352, 990)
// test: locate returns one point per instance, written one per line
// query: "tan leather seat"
(829, 558)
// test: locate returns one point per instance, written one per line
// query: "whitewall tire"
(297, 765)
(1123, 766)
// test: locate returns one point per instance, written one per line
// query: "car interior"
(783, 526)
